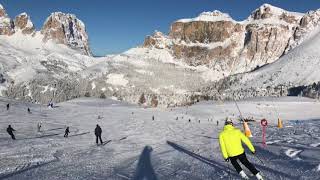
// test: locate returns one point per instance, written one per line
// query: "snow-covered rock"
(209, 16)
(66, 29)
(59, 27)
(23, 22)
(6, 24)
(294, 73)
(228, 47)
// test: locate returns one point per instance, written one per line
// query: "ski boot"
(243, 175)
(259, 177)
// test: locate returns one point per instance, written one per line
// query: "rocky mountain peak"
(66, 29)
(22, 22)
(6, 24)
(2, 11)
(157, 40)
(267, 11)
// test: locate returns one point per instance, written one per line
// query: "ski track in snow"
(163, 148)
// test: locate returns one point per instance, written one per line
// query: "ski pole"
(260, 160)
(238, 109)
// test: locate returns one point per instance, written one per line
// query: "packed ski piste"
(90, 138)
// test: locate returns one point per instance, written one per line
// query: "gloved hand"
(253, 152)
(227, 160)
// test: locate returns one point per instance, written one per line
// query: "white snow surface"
(117, 79)
(164, 148)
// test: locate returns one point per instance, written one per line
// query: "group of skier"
(230, 140)
(97, 132)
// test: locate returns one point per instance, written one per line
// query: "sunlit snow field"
(168, 147)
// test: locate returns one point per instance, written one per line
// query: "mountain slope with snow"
(297, 68)
(40, 71)
(168, 70)
(215, 40)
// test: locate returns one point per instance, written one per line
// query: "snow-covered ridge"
(275, 11)
(264, 12)
(209, 16)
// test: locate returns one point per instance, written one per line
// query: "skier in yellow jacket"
(230, 140)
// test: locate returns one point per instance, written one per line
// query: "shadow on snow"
(144, 168)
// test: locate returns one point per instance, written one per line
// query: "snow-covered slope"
(299, 67)
(163, 148)
(40, 71)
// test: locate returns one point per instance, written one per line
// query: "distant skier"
(8, 106)
(152, 118)
(39, 125)
(29, 111)
(98, 132)
(10, 132)
(66, 132)
(230, 140)
(50, 104)
(217, 123)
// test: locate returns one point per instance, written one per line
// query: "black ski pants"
(98, 136)
(66, 134)
(12, 135)
(243, 159)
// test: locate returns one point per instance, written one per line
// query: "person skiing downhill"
(230, 140)
(66, 132)
(8, 106)
(39, 126)
(98, 132)
(10, 132)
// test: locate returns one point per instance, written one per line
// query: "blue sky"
(117, 25)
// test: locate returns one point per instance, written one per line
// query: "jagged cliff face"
(308, 23)
(205, 42)
(24, 23)
(6, 24)
(66, 29)
(59, 27)
(216, 40)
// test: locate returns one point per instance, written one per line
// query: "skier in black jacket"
(66, 132)
(8, 106)
(98, 132)
(10, 132)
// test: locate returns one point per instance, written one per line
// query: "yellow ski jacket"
(230, 142)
